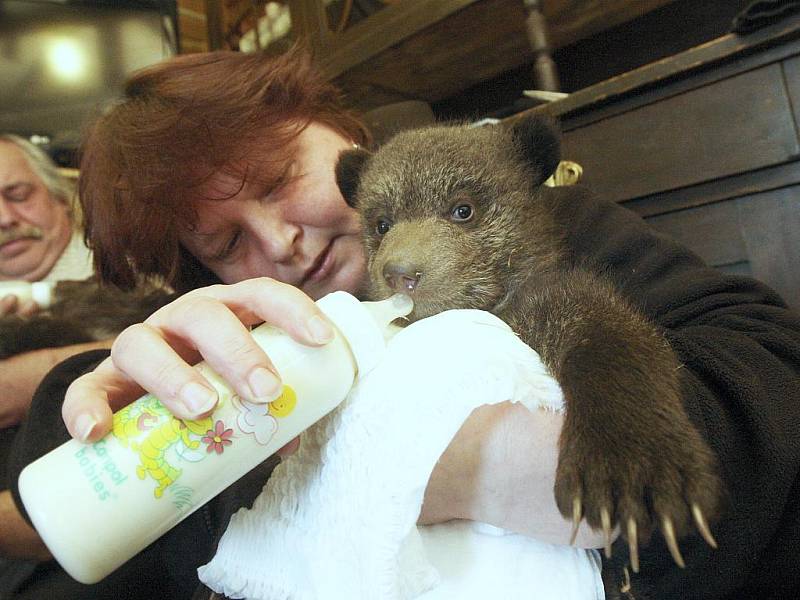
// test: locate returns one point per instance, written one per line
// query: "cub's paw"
(639, 463)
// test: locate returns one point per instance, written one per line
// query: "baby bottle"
(96, 505)
(40, 292)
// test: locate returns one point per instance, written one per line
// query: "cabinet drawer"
(730, 126)
(756, 235)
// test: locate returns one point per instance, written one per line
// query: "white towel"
(337, 520)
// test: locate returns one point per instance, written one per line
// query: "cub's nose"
(402, 278)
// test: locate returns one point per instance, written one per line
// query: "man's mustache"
(29, 232)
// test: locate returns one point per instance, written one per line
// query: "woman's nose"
(279, 240)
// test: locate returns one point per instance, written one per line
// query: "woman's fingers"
(143, 355)
(282, 305)
(210, 323)
(91, 398)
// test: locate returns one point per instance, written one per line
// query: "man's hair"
(44, 168)
(145, 161)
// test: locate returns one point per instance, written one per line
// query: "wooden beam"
(437, 49)
(216, 29)
(387, 27)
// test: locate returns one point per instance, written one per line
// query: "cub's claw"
(633, 544)
(668, 530)
(576, 519)
(605, 519)
(702, 526)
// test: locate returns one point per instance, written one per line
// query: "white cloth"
(75, 262)
(337, 520)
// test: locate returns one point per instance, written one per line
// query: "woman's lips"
(321, 267)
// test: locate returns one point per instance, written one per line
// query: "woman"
(219, 168)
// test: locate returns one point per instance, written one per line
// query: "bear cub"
(458, 217)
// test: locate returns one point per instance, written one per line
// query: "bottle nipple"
(384, 312)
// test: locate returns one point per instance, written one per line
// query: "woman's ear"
(537, 138)
(348, 173)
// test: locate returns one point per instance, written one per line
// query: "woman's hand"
(500, 469)
(208, 324)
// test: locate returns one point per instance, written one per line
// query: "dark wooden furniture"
(426, 49)
(705, 146)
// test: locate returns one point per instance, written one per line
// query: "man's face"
(34, 228)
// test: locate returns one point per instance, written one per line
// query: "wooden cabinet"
(426, 49)
(705, 146)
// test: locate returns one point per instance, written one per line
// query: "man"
(39, 241)
(38, 238)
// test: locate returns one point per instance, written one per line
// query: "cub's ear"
(348, 173)
(537, 138)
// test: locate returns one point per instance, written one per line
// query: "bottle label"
(164, 445)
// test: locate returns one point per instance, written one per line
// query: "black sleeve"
(43, 428)
(740, 350)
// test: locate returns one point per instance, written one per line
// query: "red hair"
(180, 122)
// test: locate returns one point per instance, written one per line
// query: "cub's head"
(451, 213)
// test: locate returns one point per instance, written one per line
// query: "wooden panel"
(461, 51)
(770, 225)
(756, 235)
(744, 184)
(196, 6)
(385, 28)
(734, 125)
(192, 26)
(433, 49)
(791, 69)
(723, 54)
(712, 231)
(569, 21)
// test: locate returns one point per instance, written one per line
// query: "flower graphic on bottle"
(217, 438)
(261, 420)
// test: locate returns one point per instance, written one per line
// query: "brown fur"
(82, 311)
(627, 444)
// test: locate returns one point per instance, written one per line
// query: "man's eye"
(18, 193)
(462, 212)
(383, 227)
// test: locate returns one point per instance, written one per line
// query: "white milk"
(40, 292)
(97, 505)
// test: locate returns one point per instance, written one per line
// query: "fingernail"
(321, 331)
(84, 425)
(197, 398)
(265, 385)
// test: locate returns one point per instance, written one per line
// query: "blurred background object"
(60, 61)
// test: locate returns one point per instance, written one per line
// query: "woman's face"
(302, 233)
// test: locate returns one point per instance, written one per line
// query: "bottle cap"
(365, 325)
(42, 293)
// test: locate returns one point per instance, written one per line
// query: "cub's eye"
(383, 227)
(462, 212)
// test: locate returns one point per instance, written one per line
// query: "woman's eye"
(462, 212)
(383, 227)
(230, 246)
